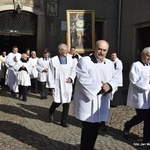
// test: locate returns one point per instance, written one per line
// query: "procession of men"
(89, 81)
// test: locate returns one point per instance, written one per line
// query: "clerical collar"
(98, 61)
(144, 63)
(45, 58)
(95, 60)
(25, 61)
(75, 56)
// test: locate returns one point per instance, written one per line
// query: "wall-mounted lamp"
(17, 7)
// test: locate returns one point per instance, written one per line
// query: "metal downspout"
(119, 28)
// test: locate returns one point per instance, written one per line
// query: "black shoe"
(103, 126)
(42, 97)
(20, 97)
(51, 118)
(29, 91)
(125, 132)
(13, 94)
(24, 99)
(45, 97)
(63, 124)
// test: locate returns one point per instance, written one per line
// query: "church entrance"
(21, 41)
(143, 37)
(18, 29)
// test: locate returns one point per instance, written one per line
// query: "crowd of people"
(89, 81)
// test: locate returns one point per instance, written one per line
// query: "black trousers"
(88, 135)
(141, 115)
(64, 115)
(23, 91)
(43, 89)
(2, 81)
(34, 85)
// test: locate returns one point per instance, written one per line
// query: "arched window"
(18, 23)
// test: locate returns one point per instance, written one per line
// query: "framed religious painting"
(81, 30)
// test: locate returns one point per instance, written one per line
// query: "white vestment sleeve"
(73, 71)
(9, 60)
(39, 67)
(139, 80)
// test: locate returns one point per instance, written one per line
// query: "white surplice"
(42, 64)
(23, 77)
(88, 106)
(118, 68)
(57, 75)
(11, 73)
(139, 87)
(33, 62)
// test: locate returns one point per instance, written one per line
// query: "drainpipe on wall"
(119, 28)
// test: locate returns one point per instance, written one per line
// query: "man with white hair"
(139, 94)
(61, 76)
(11, 60)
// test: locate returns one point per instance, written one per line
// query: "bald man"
(95, 84)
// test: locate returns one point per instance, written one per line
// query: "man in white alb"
(95, 84)
(11, 60)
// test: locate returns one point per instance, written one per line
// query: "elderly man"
(96, 82)
(23, 69)
(11, 60)
(139, 95)
(61, 75)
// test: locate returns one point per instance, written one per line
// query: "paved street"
(26, 126)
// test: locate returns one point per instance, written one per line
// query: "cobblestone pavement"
(26, 126)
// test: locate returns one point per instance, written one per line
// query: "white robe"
(2, 65)
(11, 74)
(139, 87)
(87, 105)
(57, 75)
(119, 67)
(41, 65)
(23, 77)
(33, 62)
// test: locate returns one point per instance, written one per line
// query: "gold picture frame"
(81, 30)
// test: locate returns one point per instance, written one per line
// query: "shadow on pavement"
(41, 113)
(134, 139)
(32, 138)
(37, 112)
(6, 92)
